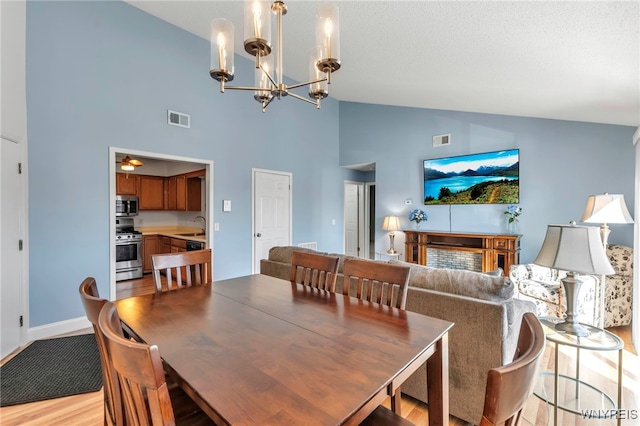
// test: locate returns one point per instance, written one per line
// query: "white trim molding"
(57, 328)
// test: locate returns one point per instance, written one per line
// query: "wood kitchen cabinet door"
(150, 247)
(170, 196)
(151, 192)
(181, 192)
(165, 244)
(126, 184)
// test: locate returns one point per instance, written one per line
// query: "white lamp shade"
(391, 223)
(574, 248)
(606, 208)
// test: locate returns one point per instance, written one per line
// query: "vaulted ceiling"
(567, 60)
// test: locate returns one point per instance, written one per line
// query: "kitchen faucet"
(204, 230)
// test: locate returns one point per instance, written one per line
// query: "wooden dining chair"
(113, 408)
(314, 270)
(146, 396)
(377, 282)
(182, 268)
(509, 386)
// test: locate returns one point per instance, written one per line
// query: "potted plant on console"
(417, 216)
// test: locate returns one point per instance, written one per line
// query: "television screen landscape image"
(487, 178)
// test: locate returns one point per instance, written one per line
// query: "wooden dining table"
(261, 350)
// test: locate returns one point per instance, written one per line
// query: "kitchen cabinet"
(185, 191)
(164, 244)
(176, 193)
(151, 192)
(150, 246)
(126, 184)
(179, 245)
(170, 193)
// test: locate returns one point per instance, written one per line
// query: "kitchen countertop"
(174, 232)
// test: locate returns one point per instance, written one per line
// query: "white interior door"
(11, 255)
(271, 213)
(354, 219)
(351, 225)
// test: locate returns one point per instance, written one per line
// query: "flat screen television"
(487, 178)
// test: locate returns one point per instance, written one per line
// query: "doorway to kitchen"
(168, 192)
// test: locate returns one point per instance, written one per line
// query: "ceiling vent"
(178, 119)
(442, 140)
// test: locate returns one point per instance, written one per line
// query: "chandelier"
(324, 58)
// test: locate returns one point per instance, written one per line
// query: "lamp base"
(392, 251)
(570, 325)
(572, 328)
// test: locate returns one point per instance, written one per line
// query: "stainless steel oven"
(128, 250)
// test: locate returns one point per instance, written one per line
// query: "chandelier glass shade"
(324, 58)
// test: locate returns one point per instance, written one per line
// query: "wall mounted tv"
(487, 178)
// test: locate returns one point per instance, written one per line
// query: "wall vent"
(312, 245)
(178, 119)
(442, 140)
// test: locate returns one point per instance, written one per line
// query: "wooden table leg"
(438, 383)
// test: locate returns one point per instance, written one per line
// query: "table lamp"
(577, 250)
(391, 223)
(603, 209)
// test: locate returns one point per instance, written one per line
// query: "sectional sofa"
(486, 316)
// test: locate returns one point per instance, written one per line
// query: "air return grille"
(178, 119)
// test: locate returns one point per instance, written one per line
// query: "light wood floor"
(598, 369)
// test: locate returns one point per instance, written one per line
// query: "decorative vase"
(417, 225)
(513, 227)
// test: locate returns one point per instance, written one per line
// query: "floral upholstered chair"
(619, 286)
(543, 287)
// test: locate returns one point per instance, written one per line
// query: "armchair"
(543, 287)
(619, 286)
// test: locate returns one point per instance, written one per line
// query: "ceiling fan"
(129, 163)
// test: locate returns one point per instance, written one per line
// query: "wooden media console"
(497, 250)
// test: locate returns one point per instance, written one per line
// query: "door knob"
(258, 235)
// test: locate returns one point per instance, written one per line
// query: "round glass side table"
(578, 397)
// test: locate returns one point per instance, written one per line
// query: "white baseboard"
(56, 328)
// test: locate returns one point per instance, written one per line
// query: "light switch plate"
(226, 205)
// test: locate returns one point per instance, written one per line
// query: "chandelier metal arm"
(268, 75)
(303, 99)
(308, 83)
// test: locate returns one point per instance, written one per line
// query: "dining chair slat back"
(314, 270)
(377, 282)
(182, 269)
(509, 386)
(139, 368)
(113, 408)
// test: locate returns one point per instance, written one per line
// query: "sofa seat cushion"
(461, 282)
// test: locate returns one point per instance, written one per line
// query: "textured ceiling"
(572, 60)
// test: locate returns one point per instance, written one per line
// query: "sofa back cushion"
(461, 282)
(283, 254)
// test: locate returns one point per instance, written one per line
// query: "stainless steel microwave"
(126, 205)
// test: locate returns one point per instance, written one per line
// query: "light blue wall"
(561, 164)
(103, 74)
